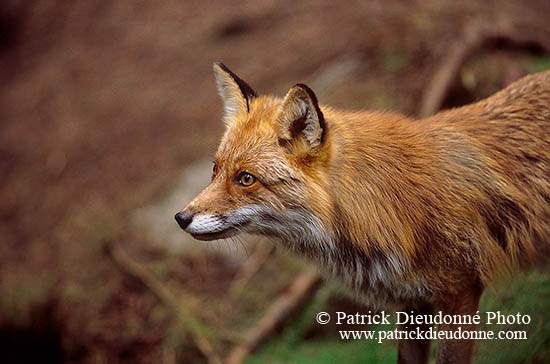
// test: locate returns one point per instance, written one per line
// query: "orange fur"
(407, 212)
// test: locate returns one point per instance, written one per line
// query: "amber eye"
(246, 179)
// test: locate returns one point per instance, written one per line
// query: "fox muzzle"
(183, 219)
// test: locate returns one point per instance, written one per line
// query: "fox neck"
(347, 230)
(376, 278)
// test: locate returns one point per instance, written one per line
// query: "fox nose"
(183, 219)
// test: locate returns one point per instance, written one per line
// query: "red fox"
(413, 214)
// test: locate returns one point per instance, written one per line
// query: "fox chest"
(376, 281)
(379, 282)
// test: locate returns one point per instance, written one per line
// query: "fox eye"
(246, 179)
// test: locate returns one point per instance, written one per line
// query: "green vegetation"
(527, 294)
(539, 64)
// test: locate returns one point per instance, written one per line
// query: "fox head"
(269, 171)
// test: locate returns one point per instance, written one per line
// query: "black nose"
(183, 219)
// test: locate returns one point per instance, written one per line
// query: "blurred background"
(109, 117)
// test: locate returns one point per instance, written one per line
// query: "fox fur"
(419, 214)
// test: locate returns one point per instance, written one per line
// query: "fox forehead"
(255, 127)
(250, 143)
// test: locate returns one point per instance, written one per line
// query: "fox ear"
(235, 93)
(300, 115)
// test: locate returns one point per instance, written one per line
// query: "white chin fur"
(207, 224)
(373, 279)
(291, 224)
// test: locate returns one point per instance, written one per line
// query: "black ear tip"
(245, 89)
(221, 65)
(302, 85)
(309, 91)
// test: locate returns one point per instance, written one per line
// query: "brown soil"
(103, 103)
